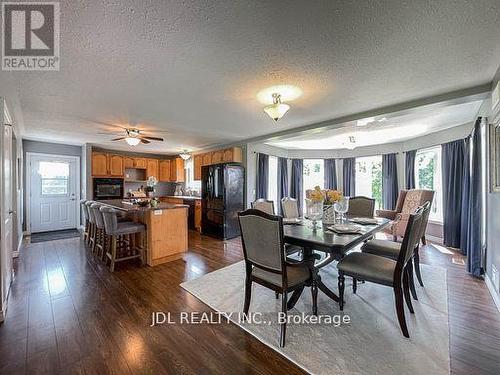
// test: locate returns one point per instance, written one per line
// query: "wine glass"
(314, 211)
(341, 207)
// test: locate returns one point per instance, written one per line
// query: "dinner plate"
(346, 228)
(364, 220)
(294, 220)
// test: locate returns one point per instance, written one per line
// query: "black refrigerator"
(222, 190)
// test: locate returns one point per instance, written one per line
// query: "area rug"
(54, 235)
(371, 343)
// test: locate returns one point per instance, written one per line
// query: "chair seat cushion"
(129, 227)
(384, 248)
(295, 275)
(368, 267)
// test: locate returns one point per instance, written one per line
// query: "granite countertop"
(187, 197)
(120, 205)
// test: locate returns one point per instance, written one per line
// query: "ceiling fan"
(134, 136)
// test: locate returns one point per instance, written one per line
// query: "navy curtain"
(262, 175)
(330, 174)
(349, 175)
(454, 159)
(473, 233)
(282, 181)
(390, 188)
(464, 220)
(410, 169)
(297, 184)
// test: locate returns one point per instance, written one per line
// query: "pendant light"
(276, 110)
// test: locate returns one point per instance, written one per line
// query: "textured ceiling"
(193, 68)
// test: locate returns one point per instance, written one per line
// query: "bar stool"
(86, 225)
(100, 233)
(92, 226)
(121, 247)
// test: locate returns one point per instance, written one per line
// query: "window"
(272, 187)
(428, 176)
(313, 175)
(191, 183)
(369, 178)
(54, 177)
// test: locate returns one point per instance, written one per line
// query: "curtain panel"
(296, 187)
(262, 176)
(349, 176)
(330, 171)
(282, 181)
(410, 169)
(390, 189)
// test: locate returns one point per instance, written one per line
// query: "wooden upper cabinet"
(233, 154)
(217, 156)
(115, 164)
(152, 168)
(140, 163)
(165, 170)
(197, 163)
(177, 170)
(207, 158)
(128, 162)
(99, 164)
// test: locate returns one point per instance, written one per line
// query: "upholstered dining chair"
(384, 271)
(408, 201)
(86, 224)
(361, 207)
(390, 249)
(265, 259)
(289, 208)
(264, 205)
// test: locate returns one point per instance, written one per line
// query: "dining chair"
(385, 271)
(390, 249)
(99, 234)
(290, 208)
(264, 205)
(265, 260)
(361, 207)
(86, 223)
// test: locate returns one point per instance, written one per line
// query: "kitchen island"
(166, 227)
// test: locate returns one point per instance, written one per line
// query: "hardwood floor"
(68, 314)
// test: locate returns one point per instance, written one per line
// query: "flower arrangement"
(326, 196)
(150, 184)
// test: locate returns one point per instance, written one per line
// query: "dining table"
(319, 238)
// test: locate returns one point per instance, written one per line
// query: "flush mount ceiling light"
(132, 141)
(276, 110)
(185, 155)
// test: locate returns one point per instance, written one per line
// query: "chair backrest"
(262, 239)
(99, 222)
(289, 208)
(84, 208)
(425, 218)
(264, 205)
(110, 218)
(91, 214)
(361, 207)
(415, 198)
(401, 200)
(411, 237)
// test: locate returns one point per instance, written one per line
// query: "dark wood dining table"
(335, 245)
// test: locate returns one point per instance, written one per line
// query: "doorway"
(53, 192)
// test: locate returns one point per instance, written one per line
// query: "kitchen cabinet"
(217, 156)
(115, 165)
(99, 164)
(197, 163)
(207, 158)
(140, 163)
(128, 162)
(177, 170)
(197, 215)
(164, 170)
(172, 200)
(152, 168)
(233, 155)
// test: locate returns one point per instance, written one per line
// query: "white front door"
(6, 212)
(53, 184)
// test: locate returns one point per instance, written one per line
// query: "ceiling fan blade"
(118, 139)
(153, 138)
(145, 141)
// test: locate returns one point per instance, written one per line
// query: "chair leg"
(398, 296)
(283, 324)
(416, 262)
(248, 294)
(406, 290)
(411, 280)
(354, 285)
(341, 290)
(113, 253)
(314, 292)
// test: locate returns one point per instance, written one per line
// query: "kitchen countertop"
(120, 205)
(187, 197)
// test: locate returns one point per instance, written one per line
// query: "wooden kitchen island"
(166, 227)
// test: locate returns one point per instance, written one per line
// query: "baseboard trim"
(493, 292)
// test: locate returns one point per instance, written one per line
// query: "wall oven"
(108, 188)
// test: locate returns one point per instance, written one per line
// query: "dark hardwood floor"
(68, 314)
